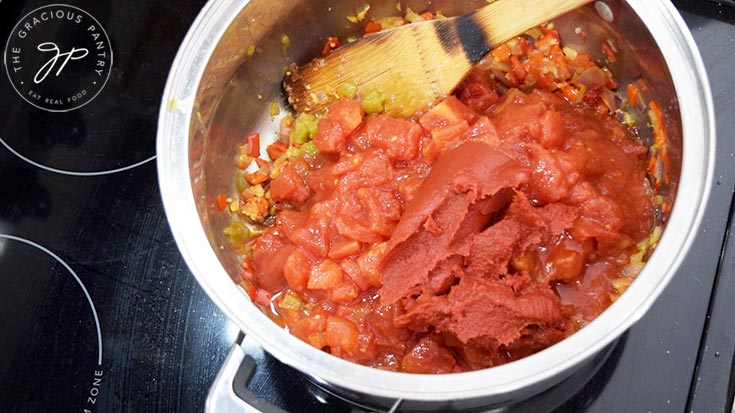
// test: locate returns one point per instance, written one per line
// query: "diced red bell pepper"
(253, 142)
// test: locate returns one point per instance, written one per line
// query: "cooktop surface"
(98, 311)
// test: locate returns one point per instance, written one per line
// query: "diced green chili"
(373, 102)
(304, 128)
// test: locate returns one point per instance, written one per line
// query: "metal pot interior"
(229, 93)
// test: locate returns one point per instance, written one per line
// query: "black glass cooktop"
(98, 311)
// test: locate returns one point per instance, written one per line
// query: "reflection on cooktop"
(51, 330)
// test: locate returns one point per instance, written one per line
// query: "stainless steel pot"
(217, 92)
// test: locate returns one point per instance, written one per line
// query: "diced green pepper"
(275, 110)
(241, 183)
(285, 42)
(310, 148)
(290, 302)
(238, 233)
(373, 102)
(347, 90)
(304, 128)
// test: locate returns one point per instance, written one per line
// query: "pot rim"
(698, 125)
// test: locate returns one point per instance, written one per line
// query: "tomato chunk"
(270, 253)
(398, 138)
(326, 274)
(289, 186)
(297, 269)
(344, 116)
(341, 334)
(447, 120)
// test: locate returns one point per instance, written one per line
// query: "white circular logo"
(58, 57)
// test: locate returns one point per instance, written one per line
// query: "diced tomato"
(443, 136)
(408, 187)
(352, 270)
(564, 263)
(289, 186)
(548, 183)
(449, 111)
(325, 275)
(428, 356)
(344, 292)
(484, 130)
(477, 93)
(321, 180)
(429, 150)
(251, 290)
(366, 350)
(297, 269)
(600, 216)
(344, 116)
(447, 121)
(247, 269)
(386, 333)
(368, 214)
(288, 220)
(311, 328)
(270, 253)
(348, 113)
(342, 247)
(553, 130)
(313, 237)
(341, 333)
(373, 170)
(522, 120)
(399, 138)
(369, 263)
(330, 138)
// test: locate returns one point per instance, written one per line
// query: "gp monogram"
(58, 57)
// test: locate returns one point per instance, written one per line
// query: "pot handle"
(230, 393)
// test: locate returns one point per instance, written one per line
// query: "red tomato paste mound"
(463, 239)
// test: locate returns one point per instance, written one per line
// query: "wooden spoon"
(416, 65)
